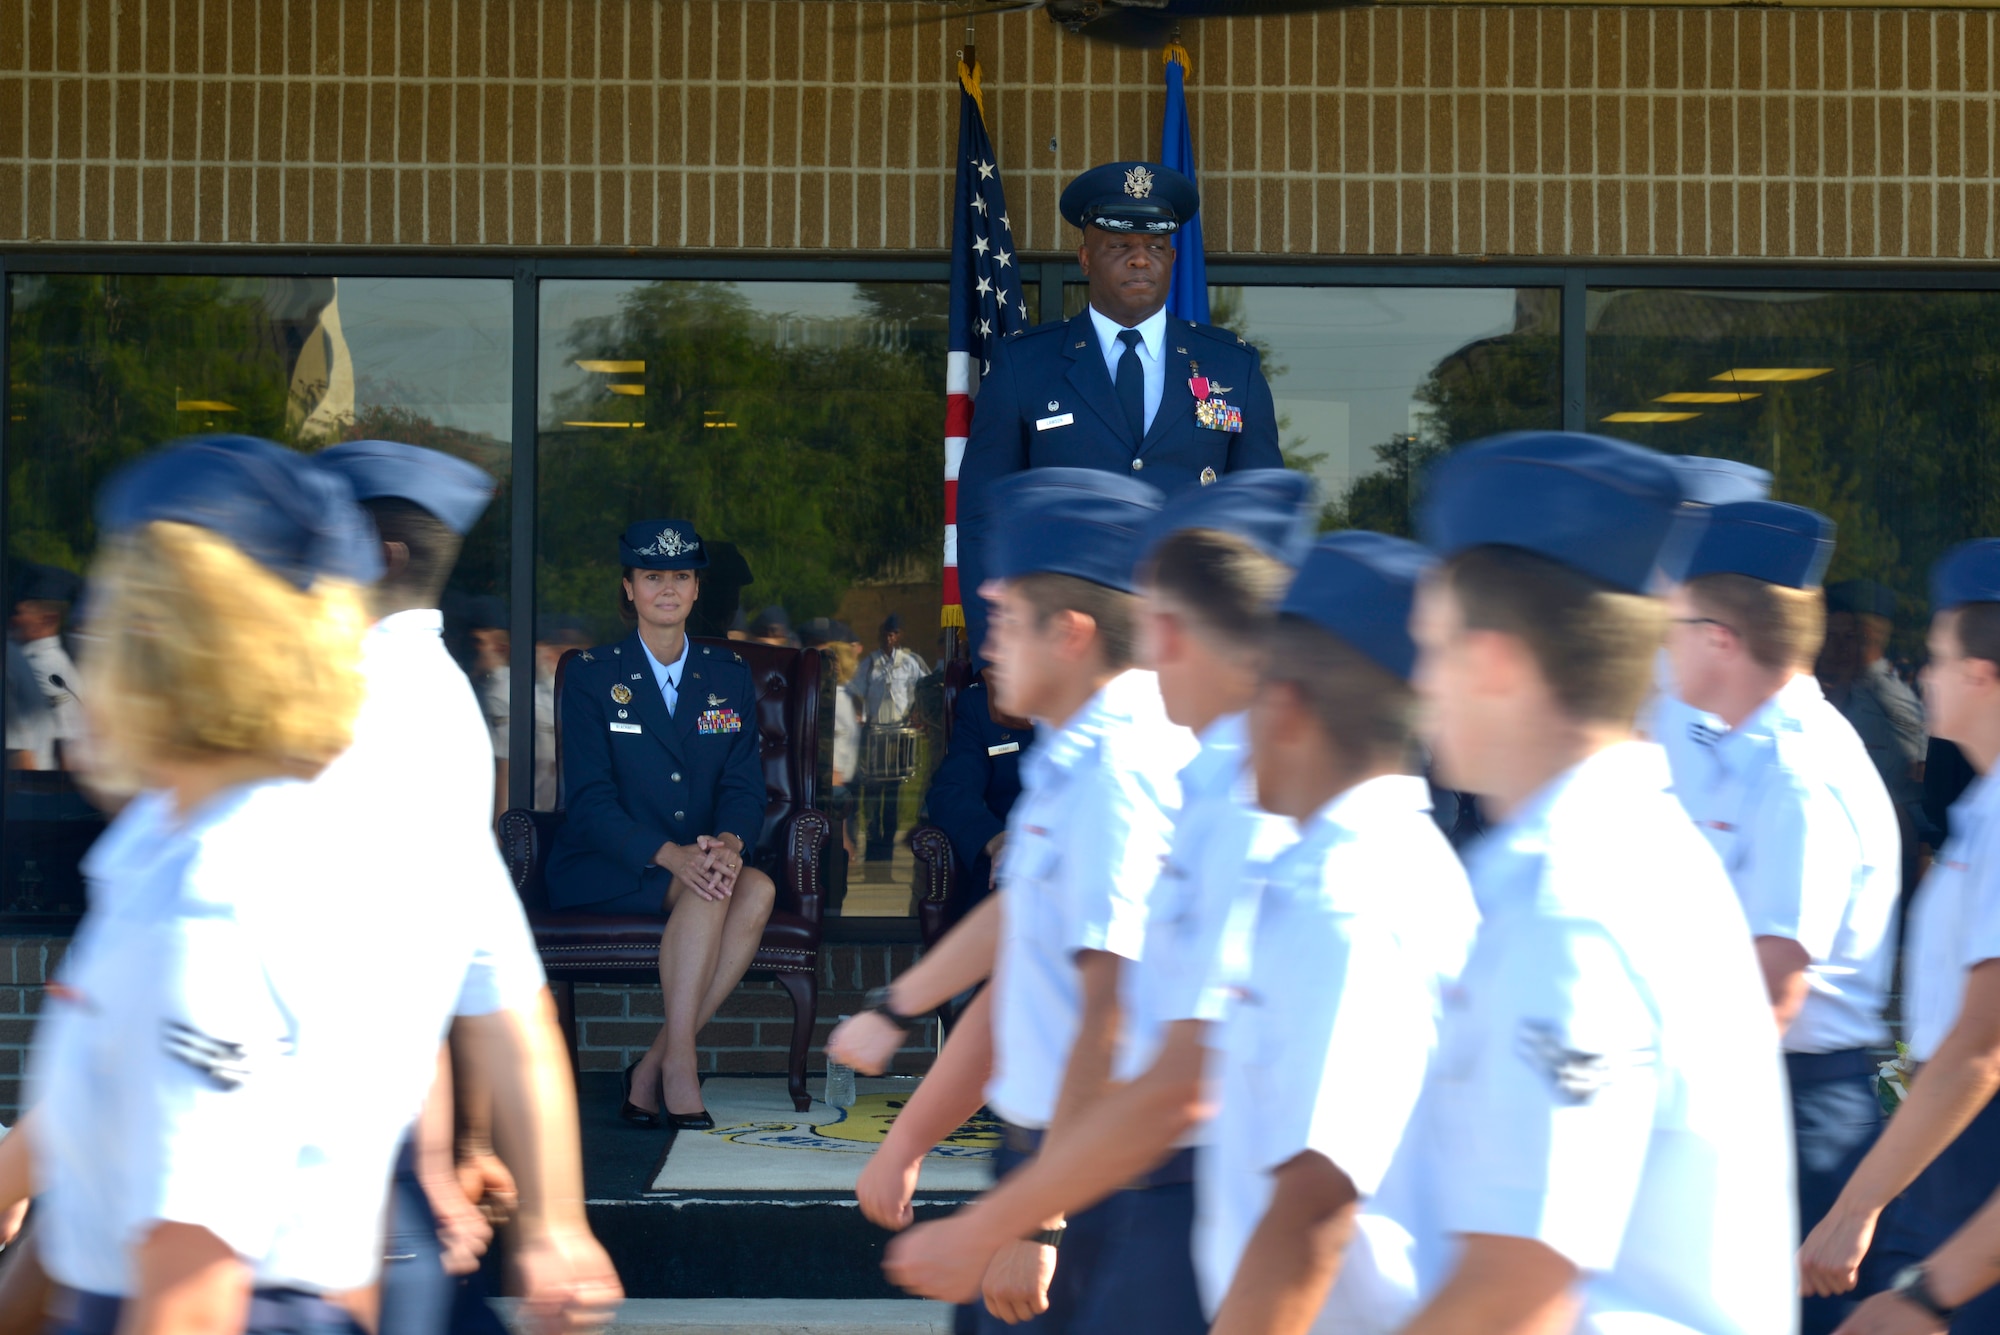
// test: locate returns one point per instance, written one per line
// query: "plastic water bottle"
(839, 1081)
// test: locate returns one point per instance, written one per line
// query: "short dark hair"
(627, 613)
(1977, 626)
(1780, 627)
(433, 549)
(1593, 643)
(1226, 583)
(1363, 708)
(1114, 611)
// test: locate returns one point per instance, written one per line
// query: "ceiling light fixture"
(1650, 417)
(634, 390)
(203, 406)
(603, 367)
(620, 425)
(1761, 375)
(1708, 396)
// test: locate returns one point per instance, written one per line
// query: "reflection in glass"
(102, 368)
(1371, 383)
(799, 427)
(1876, 408)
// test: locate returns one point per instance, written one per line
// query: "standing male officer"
(1105, 389)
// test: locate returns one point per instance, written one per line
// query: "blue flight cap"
(1069, 521)
(1130, 197)
(1361, 586)
(1968, 573)
(1275, 509)
(662, 544)
(1777, 543)
(1707, 481)
(1599, 506)
(452, 489)
(1864, 596)
(296, 520)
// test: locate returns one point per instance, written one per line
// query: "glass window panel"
(1876, 408)
(102, 368)
(1369, 383)
(799, 426)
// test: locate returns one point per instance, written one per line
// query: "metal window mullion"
(521, 541)
(1575, 307)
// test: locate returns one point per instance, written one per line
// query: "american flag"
(987, 303)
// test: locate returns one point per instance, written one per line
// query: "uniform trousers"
(1938, 1203)
(1144, 1276)
(272, 1312)
(1836, 1117)
(1076, 1260)
(417, 1294)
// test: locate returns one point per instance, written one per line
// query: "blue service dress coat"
(974, 786)
(1047, 401)
(636, 777)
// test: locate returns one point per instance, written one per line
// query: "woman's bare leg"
(705, 950)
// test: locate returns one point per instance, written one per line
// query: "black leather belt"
(272, 1312)
(1817, 1068)
(1175, 1171)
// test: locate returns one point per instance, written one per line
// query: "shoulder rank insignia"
(588, 659)
(1575, 1077)
(221, 1061)
(622, 693)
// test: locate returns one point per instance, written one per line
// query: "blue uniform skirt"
(1938, 1203)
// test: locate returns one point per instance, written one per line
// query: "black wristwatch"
(877, 1001)
(1049, 1237)
(1913, 1285)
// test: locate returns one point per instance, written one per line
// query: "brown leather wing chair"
(600, 948)
(936, 875)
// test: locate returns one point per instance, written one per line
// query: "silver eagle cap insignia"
(1138, 182)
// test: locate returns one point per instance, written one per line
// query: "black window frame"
(526, 271)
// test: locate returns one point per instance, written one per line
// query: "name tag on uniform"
(1063, 419)
(626, 727)
(1003, 748)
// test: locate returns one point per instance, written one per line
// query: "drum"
(889, 752)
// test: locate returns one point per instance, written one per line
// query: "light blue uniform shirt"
(1954, 919)
(668, 675)
(1152, 353)
(1085, 842)
(1219, 832)
(1793, 805)
(1344, 948)
(1608, 1080)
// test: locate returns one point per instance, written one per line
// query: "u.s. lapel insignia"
(622, 693)
(1207, 476)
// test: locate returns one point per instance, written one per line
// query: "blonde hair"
(846, 660)
(199, 653)
(1781, 628)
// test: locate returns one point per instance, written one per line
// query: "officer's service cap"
(1968, 573)
(294, 519)
(35, 582)
(452, 489)
(1361, 586)
(1864, 596)
(1707, 481)
(1780, 544)
(1141, 197)
(662, 544)
(1070, 521)
(1599, 506)
(1274, 509)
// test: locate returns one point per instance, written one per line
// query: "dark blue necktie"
(1131, 385)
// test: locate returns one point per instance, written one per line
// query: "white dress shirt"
(50, 660)
(1795, 808)
(668, 675)
(1085, 842)
(1152, 353)
(1608, 1081)
(1954, 919)
(1357, 931)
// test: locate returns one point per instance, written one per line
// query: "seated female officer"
(664, 790)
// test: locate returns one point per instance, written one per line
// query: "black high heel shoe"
(632, 1112)
(694, 1121)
